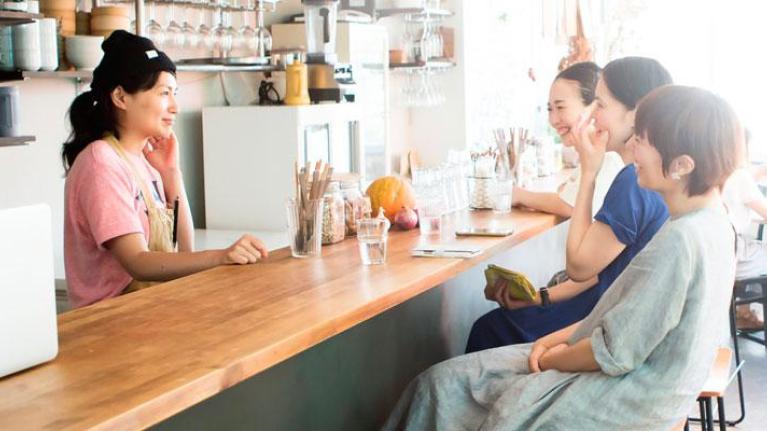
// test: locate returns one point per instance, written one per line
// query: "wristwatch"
(545, 299)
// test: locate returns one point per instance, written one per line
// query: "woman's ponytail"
(91, 115)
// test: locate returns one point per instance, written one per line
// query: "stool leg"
(687, 425)
(736, 347)
(764, 314)
(709, 415)
(722, 418)
(702, 407)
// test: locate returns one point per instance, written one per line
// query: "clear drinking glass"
(305, 228)
(502, 189)
(372, 237)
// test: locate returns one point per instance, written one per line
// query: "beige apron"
(160, 219)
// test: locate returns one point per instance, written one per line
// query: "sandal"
(748, 321)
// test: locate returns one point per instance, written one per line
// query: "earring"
(675, 176)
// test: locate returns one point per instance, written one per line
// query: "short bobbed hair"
(679, 120)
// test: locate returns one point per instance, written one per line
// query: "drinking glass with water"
(502, 195)
(372, 234)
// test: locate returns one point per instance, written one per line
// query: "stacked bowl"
(84, 52)
(106, 19)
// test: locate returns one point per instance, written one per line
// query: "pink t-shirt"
(102, 201)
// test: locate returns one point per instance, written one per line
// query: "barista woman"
(123, 181)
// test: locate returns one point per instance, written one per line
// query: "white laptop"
(27, 293)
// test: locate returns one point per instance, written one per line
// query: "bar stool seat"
(715, 387)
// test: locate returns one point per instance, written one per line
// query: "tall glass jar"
(333, 222)
(356, 206)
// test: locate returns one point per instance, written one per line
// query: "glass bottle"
(356, 206)
(333, 222)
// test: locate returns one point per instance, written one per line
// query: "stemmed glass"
(224, 34)
(174, 31)
(263, 37)
(153, 29)
(247, 35)
(207, 41)
(191, 36)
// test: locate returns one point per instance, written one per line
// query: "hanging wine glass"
(191, 37)
(207, 42)
(174, 32)
(153, 29)
(263, 37)
(224, 34)
(247, 33)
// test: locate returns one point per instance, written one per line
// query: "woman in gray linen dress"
(640, 358)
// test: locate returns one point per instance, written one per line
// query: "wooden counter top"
(132, 361)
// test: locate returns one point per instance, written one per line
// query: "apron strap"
(136, 175)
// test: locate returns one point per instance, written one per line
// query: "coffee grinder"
(320, 22)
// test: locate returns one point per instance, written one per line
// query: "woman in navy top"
(597, 250)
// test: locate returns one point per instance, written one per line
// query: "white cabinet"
(249, 154)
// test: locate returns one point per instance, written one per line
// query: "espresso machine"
(321, 59)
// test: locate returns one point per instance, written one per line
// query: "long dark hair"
(92, 114)
(631, 78)
(586, 74)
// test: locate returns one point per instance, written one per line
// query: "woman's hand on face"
(247, 249)
(590, 143)
(162, 153)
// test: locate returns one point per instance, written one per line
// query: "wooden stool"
(715, 387)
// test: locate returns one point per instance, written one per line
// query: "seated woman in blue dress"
(598, 249)
(640, 358)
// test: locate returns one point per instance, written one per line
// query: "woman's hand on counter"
(247, 249)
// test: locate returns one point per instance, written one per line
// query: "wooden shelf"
(18, 75)
(419, 13)
(207, 5)
(8, 17)
(432, 64)
(15, 75)
(213, 68)
(80, 75)
(16, 141)
(87, 75)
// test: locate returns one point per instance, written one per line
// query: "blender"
(320, 22)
